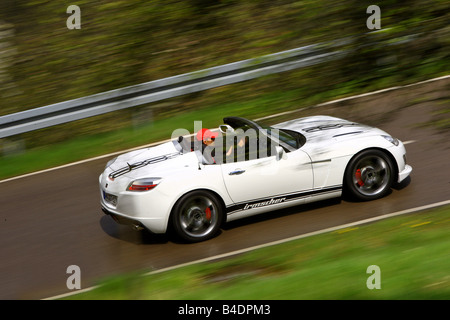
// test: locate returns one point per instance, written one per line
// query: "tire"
(369, 175)
(197, 216)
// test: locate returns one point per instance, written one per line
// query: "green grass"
(412, 252)
(91, 145)
(134, 43)
(82, 147)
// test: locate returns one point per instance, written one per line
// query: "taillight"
(144, 187)
(144, 184)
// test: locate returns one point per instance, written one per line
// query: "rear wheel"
(197, 216)
(369, 175)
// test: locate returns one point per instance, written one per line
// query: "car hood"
(325, 128)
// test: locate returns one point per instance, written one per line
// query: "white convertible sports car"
(194, 189)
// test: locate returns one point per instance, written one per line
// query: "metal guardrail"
(170, 87)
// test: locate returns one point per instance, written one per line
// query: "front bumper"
(404, 173)
(399, 154)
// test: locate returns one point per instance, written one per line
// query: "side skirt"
(280, 201)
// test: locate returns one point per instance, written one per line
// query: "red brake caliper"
(358, 177)
(208, 213)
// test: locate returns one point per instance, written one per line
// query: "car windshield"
(242, 139)
(291, 138)
(288, 139)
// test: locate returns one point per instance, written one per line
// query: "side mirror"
(279, 151)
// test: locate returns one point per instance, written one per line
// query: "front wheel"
(369, 175)
(197, 216)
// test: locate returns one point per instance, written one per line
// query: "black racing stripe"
(291, 194)
(262, 202)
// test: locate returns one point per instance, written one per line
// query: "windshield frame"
(296, 141)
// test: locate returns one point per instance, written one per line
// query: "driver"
(227, 153)
(207, 139)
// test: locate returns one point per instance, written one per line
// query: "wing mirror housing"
(279, 152)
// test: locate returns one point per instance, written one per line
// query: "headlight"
(392, 140)
(145, 184)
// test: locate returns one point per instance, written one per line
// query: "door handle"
(236, 172)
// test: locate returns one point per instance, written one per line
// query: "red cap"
(204, 134)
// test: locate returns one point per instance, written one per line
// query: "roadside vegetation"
(122, 43)
(411, 251)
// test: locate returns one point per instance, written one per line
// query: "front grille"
(110, 198)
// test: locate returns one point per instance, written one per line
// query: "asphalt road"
(53, 220)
